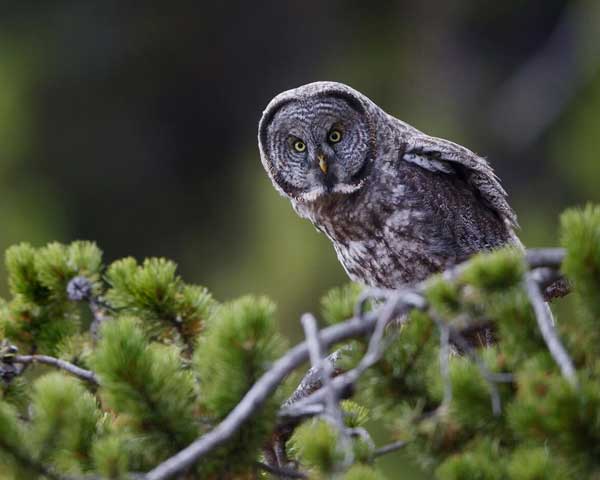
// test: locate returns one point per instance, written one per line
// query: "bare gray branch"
(546, 326)
(81, 373)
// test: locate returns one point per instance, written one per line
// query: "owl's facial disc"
(318, 147)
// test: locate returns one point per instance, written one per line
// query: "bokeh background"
(134, 123)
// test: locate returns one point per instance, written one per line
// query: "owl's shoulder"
(459, 165)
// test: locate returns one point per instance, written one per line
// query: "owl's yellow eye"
(335, 136)
(299, 146)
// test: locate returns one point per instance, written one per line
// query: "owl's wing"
(439, 155)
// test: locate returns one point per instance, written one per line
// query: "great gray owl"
(397, 204)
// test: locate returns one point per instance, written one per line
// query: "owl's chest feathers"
(405, 224)
(343, 218)
(373, 236)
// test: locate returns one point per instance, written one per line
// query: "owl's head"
(317, 140)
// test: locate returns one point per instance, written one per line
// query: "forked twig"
(545, 323)
(319, 361)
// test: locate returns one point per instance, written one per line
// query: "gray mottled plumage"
(397, 204)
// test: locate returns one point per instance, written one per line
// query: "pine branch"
(81, 373)
(491, 378)
(389, 448)
(332, 412)
(546, 326)
(256, 396)
(32, 464)
(397, 303)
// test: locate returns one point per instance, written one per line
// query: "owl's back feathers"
(448, 157)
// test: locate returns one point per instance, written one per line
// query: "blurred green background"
(134, 123)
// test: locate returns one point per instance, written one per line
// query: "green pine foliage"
(580, 233)
(546, 428)
(65, 419)
(482, 461)
(496, 271)
(533, 463)
(23, 277)
(239, 344)
(39, 316)
(56, 264)
(172, 362)
(355, 415)
(16, 455)
(400, 373)
(155, 293)
(112, 454)
(16, 393)
(154, 355)
(316, 445)
(362, 472)
(147, 385)
(338, 304)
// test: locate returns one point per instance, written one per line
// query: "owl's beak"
(322, 163)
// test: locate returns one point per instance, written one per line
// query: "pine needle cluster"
(170, 362)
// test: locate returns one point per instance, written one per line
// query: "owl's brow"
(351, 100)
